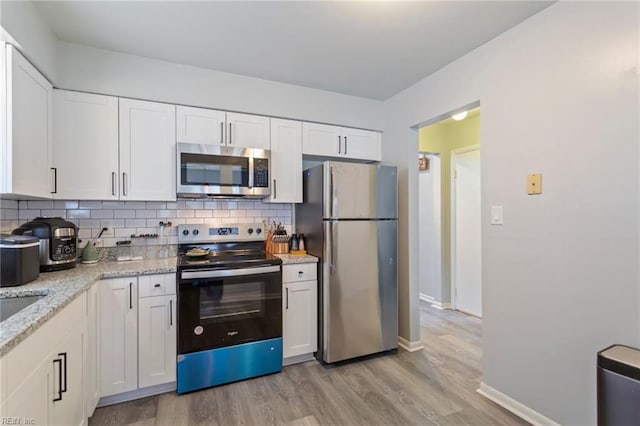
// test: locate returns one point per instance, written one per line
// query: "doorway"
(466, 265)
(449, 242)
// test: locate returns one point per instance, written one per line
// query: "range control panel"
(211, 233)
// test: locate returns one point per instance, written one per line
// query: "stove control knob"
(258, 231)
(195, 232)
(250, 231)
(185, 232)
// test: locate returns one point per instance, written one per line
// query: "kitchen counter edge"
(292, 259)
(61, 288)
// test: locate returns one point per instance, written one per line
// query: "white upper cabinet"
(341, 142)
(212, 127)
(85, 145)
(147, 150)
(286, 161)
(201, 126)
(247, 131)
(26, 115)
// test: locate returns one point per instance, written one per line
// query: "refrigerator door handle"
(331, 191)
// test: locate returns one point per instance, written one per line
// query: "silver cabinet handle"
(130, 295)
(345, 145)
(287, 306)
(275, 190)
(170, 312)
(113, 183)
(230, 138)
(55, 180)
(221, 133)
(339, 144)
(124, 184)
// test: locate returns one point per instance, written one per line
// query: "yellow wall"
(442, 138)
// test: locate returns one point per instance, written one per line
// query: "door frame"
(452, 222)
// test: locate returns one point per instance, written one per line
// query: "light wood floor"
(434, 386)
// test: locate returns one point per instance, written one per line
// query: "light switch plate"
(496, 215)
(534, 184)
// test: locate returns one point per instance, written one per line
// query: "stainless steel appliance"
(20, 259)
(618, 382)
(349, 218)
(218, 171)
(58, 241)
(229, 306)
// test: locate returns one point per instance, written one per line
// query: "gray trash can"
(619, 386)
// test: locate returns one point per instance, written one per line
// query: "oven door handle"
(223, 273)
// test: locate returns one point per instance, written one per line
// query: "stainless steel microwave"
(218, 171)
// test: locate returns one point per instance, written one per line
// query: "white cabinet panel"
(147, 150)
(33, 399)
(156, 285)
(247, 131)
(341, 142)
(69, 410)
(92, 359)
(200, 125)
(286, 161)
(361, 144)
(300, 318)
(85, 145)
(26, 159)
(118, 335)
(157, 340)
(321, 139)
(299, 272)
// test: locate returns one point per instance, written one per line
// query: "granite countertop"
(61, 288)
(296, 258)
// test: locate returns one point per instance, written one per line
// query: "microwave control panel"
(260, 173)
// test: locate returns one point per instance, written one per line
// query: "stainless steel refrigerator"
(350, 220)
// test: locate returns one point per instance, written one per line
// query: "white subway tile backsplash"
(144, 214)
(79, 214)
(124, 214)
(90, 204)
(101, 214)
(124, 218)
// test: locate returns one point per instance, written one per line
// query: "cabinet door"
(157, 340)
(247, 131)
(70, 409)
(118, 341)
(85, 145)
(300, 318)
(361, 144)
(33, 399)
(92, 360)
(199, 125)
(321, 139)
(147, 150)
(286, 161)
(27, 151)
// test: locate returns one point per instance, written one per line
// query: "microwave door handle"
(251, 172)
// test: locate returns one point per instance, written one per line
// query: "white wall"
(37, 42)
(101, 71)
(559, 95)
(430, 229)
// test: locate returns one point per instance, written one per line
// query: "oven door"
(224, 307)
(205, 170)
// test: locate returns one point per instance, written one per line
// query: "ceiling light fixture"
(460, 116)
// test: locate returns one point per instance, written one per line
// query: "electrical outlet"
(534, 184)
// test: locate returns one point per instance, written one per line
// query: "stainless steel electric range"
(229, 305)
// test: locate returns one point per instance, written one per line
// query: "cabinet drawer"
(156, 285)
(299, 272)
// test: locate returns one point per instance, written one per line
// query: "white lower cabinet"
(92, 355)
(299, 311)
(43, 377)
(138, 326)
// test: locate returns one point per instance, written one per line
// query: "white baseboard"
(136, 394)
(434, 303)
(410, 346)
(441, 306)
(297, 359)
(515, 407)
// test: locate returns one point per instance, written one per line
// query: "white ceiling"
(368, 49)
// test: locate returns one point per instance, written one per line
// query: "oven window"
(216, 170)
(232, 302)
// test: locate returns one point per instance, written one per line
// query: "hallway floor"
(435, 386)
